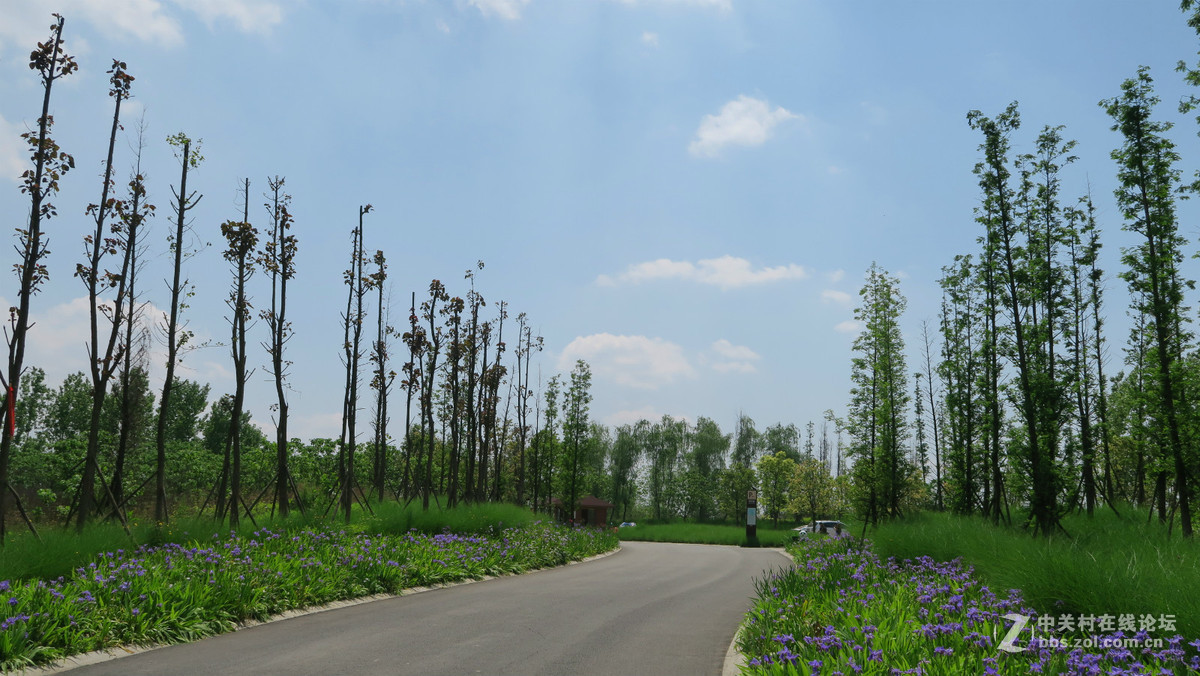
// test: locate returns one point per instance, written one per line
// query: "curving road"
(649, 609)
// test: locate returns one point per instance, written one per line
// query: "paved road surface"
(649, 609)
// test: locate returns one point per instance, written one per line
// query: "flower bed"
(842, 610)
(174, 593)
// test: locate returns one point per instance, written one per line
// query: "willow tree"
(49, 164)
(1146, 197)
(104, 355)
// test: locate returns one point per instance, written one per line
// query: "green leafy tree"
(622, 463)
(775, 477)
(780, 438)
(33, 405)
(1038, 394)
(68, 415)
(811, 490)
(735, 483)
(705, 461)
(879, 399)
(576, 401)
(747, 442)
(1149, 181)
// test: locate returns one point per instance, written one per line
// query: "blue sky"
(686, 193)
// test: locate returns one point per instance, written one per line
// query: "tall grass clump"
(1106, 565)
(62, 549)
(843, 610)
(478, 518)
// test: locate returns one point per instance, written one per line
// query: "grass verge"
(1106, 566)
(179, 592)
(705, 534)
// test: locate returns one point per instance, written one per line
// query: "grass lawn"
(706, 534)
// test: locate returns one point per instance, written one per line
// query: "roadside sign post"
(751, 513)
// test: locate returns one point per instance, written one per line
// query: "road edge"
(115, 653)
(734, 659)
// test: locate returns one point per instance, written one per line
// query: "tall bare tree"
(133, 212)
(352, 354)
(278, 259)
(177, 336)
(242, 240)
(103, 359)
(382, 379)
(49, 164)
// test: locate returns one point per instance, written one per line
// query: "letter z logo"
(1019, 622)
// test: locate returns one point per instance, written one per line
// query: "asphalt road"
(649, 609)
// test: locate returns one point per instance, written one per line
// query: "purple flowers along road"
(842, 610)
(175, 592)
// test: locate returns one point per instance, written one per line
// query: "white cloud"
(631, 416)
(633, 361)
(58, 338)
(744, 121)
(848, 326)
(505, 9)
(726, 272)
(12, 164)
(141, 19)
(835, 170)
(835, 296)
(27, 23)
(249, 16)
(730, 351)
(649, 38)
(837, 276)
(734, 358)
(443, 26)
